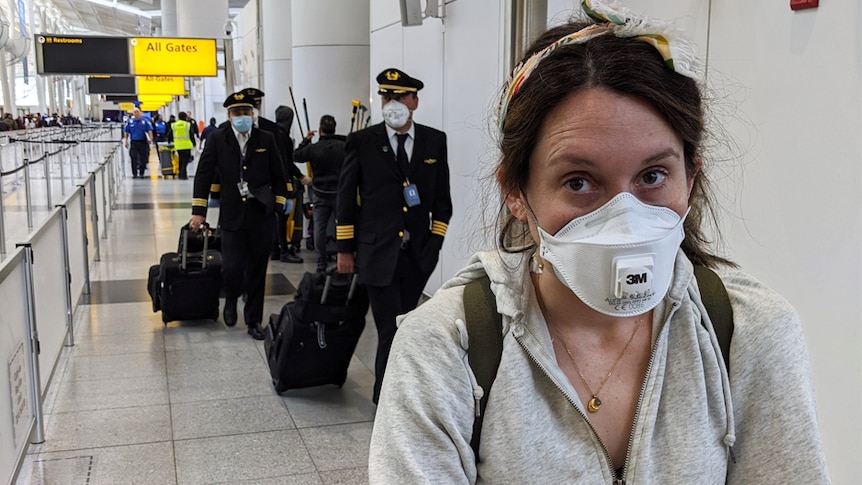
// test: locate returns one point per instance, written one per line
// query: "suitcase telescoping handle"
(328, 283)
(184, 254)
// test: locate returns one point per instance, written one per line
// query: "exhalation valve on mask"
(618, 259)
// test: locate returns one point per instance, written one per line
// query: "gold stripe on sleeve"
(196, 202)
(343, 233)
(439, 228)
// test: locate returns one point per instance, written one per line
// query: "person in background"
(246, 160)
(325, 159)
(160, 131)
(207, 130)
(611, 368)
(392, 237)
(183, 144)
(289, 230)
(137, 137)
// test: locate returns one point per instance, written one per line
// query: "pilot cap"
(396, 81)
(238, 100)
(254, 93)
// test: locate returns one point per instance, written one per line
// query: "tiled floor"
(138, 402)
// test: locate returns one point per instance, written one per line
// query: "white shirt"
(408, 143)
(241, 138)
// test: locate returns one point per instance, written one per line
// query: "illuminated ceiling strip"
(123, 7)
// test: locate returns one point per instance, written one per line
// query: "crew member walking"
(399, 171)
(247, 162)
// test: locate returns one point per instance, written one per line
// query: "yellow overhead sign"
(162, 85)
(152, 106)
(155, 98)
(161, 56)
(127, 106)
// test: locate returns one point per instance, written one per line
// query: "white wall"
(787, 91)
(277, 57)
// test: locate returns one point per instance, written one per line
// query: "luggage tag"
(411, 195)
(242, 185)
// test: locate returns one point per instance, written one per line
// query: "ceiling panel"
(84, 17)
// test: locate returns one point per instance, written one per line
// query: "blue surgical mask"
(242, 124)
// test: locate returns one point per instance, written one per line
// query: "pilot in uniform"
(393, 207)
(247, 162)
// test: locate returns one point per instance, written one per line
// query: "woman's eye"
(578, 184)
(654, 177)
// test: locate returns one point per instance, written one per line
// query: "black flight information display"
(66, 54)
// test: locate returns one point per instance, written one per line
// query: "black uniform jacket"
(325, 157)
(261, 169)
(374, 223)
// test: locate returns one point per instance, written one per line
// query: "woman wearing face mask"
(611, 370)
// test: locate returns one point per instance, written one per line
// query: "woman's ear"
(515, 203)
(697, 165)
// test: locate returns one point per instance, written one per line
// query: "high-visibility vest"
(182, 135)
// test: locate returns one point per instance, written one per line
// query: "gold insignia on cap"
(392, 75)
(238, 96)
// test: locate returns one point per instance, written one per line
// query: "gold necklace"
(594, 404)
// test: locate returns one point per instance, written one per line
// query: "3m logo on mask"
(632, 276)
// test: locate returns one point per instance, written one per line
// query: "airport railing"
(45, 274)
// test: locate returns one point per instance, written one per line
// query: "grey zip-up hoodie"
(692, 418)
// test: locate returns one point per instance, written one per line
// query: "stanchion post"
(38, 435)
(46, 168)
(70, 324)
(94, 216)
(83, 188)
(105, 203)
(27, 197)
(2, 212)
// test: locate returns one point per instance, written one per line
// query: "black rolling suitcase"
(189, 283)
(311, 341)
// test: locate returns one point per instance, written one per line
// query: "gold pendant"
(594, 404)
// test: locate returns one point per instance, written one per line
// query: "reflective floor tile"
(214, 359)
(91, 395)
(338, 447)
(118, 344)
(109, 427)
(229, 416)
(185, 336)
(351, 476)
(151, 463)
(118, 318)
(116, 366)
(328, 405)
(207, 386)
(241, 457)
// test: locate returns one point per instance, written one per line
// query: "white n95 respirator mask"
(395, 114)
(618, 259)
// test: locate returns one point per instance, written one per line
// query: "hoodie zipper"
(608, 460)
(616, 481)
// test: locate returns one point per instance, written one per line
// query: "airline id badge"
(242, 186)
(411, 195)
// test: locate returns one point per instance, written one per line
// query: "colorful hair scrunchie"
(614, 20)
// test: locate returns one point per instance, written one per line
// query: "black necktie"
(401, 152)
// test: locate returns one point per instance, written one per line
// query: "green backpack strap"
(485, 338)
(717, 304)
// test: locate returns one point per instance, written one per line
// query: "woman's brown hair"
(623, 65)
